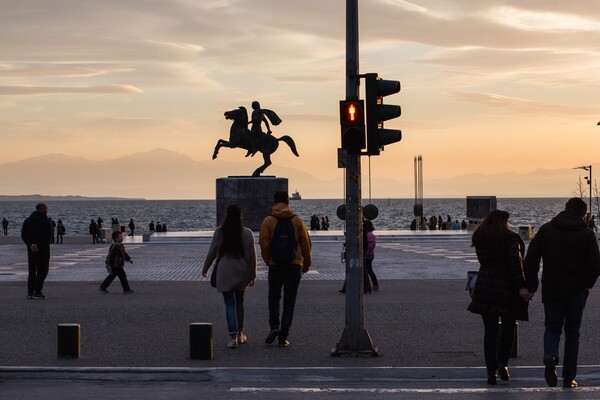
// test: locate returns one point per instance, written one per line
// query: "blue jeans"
(569, 313)
(286, 277)
(234, 310)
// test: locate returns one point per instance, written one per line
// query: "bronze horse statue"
(239, 136)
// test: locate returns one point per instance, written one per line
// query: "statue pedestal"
(253, 194)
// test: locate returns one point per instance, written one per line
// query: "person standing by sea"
(94, 231)
(232, 247)
(131, 226)
(60, 231)
(37, 235)
(5, 226)
(500, 291)
(99, 235)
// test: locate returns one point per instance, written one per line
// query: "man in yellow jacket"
(288, 257)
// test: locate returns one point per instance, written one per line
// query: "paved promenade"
(429, 342)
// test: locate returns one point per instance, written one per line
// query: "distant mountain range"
(164, 174)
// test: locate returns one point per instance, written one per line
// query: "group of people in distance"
(158, 227)
(285, 247)
(508, 279)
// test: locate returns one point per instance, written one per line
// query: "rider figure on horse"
(256, 133)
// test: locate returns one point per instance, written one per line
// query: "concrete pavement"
(418, 320)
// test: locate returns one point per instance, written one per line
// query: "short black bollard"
(201, 341)
(515, 350)
(69, 340)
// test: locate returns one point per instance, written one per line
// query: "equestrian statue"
(254, 139)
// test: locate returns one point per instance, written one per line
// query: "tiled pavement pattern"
(438, 259)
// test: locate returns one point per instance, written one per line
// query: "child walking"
(115, 263)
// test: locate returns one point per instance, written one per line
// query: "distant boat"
(296, 196)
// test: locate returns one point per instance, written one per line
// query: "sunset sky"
(487, 86)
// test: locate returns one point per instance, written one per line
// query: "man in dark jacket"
(571, 259)
(37, 235)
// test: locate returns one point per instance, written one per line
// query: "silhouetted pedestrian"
(5, 226)
(500, 291)
(94, 231)
(115, 263)
(569, 252)
(131, 226)
(37, 235)
(232, 247)
(60, 231)
(286, 263)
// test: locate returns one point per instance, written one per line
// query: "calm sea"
(196, 215)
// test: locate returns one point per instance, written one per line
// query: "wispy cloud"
(521, 105)
(41, 90)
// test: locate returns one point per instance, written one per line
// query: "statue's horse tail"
(290, 142)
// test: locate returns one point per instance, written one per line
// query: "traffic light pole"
(355, 339)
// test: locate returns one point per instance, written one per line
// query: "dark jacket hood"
(568, 221)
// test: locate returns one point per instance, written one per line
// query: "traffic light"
(377, 112)
(352, 120)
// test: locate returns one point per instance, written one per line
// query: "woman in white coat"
(233, 249)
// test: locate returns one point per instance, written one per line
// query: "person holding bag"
(233, 249)
(500, 292)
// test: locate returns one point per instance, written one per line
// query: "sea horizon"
(200, 214)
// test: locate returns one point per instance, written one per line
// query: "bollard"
(69, 340)
(514, 351)
(201, 341)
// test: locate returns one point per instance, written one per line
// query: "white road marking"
(408, 390)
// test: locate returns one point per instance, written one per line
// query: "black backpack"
(283, 243)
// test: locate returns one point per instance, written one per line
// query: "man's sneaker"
(103, 290)
(30, 295)
(128, 291)
(39, 295)
(233, 343)
(272, 336)
(550, 370)
(284, 343)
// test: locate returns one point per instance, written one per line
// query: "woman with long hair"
(500, 292)
(233, 249)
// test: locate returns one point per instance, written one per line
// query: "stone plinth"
(478, 207)
(253, 194)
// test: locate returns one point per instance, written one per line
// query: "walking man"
(569, 251)
(286, 248)
(37, 235)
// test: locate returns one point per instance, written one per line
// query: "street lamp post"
(588, 180)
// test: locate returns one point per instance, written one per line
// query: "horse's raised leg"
(217, 147)
(267, 162)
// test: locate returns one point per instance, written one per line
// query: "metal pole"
(355, 338)
(591, 213)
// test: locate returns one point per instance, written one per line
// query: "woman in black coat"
(500, 292)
